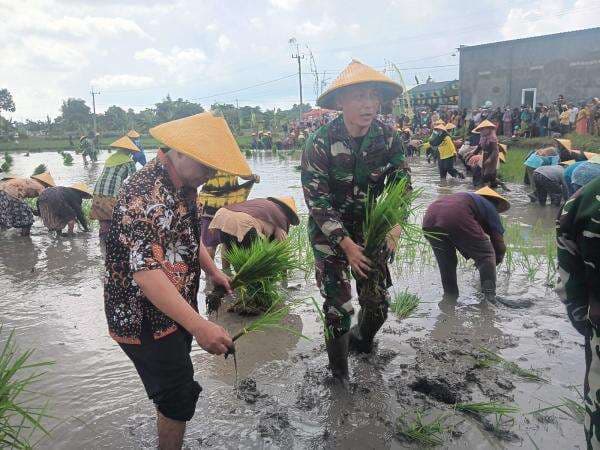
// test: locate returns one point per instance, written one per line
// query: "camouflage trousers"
(591, 390)
(334, 282)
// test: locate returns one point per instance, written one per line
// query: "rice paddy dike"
(459, 374)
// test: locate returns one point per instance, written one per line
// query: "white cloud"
(287, 5)
(212, 27)
(223, 42)
(257, 23)
(122, 80)
(550, 16)
(171, 61)
(326, 25)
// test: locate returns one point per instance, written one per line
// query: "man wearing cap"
(154, 255)
(578, 286)
(139, 156)
(446, 150)
(468, 222)
(343, 162)
(117, 168)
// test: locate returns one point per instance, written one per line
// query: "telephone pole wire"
(94, 110)
(299, 57)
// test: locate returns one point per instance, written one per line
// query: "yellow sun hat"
(82, 187)
(450, 126)
(359, 73)
(125, 143)
(133, 134)
(45, 178)
(503, 204)
(566, 143)
(484, 124)
(7, 177)
(206, 139)
(502, 158)
(503, 148)
(289, 205)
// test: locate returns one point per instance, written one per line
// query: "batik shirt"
(578, 242)
(338, 174)
(154, 226)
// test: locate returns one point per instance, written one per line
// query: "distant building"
(531, 70)
(434, 94)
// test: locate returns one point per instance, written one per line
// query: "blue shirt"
(568, 173)
(585, 173)
(534, 160)
(139, 157)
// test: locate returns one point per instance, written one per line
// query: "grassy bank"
(585, 142)
(513, 170)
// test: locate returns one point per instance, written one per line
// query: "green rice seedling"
(248, 152)
(86, 208)
(262, 264)
(301, 242)
(424, 433)
(326, 331)
(404, 304)
(20, 415)
(67, 158)
(491, 359)
(40, 169)
(570, 408)
(8, 162)
(487, 408)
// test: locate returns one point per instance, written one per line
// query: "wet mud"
(285, 396)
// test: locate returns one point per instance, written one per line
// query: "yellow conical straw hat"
(7, 176)
(439, 126)
(501, 157)
(45, 178)
(206, 139)
(504, 204)
(450, 126)
(484, 124)
(503, 148)
(125, 143)
(566, 143)
(359, 73)
(289, 204)
(82, 187)
(567, 163)
(133, 134)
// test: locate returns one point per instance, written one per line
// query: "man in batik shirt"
(578, 242)
(346, 160)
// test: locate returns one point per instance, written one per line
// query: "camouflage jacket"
(578, 242)
(337, 177)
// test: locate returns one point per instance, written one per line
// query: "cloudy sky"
(134, 52)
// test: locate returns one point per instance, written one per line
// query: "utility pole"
(239, 119)
(299, 57)
(94, 110)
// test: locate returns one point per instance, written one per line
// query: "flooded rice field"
(52, 297)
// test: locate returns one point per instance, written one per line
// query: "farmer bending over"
(342, 162)
(153, 260)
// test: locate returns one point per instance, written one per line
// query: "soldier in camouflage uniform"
(343, 162)
(578, 242)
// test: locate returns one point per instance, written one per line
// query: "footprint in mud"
(248, 391)
(547, 335)
(275, 424)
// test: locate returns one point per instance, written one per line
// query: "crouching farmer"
(468, 222)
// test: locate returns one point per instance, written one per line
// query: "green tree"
(170, 109)
(116, 119)
(75, 115)
(6, 104)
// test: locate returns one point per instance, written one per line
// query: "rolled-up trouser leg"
(445, 255)
(333, 279)
(591, 390)
(483, 254)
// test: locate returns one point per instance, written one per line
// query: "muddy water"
(53, 298)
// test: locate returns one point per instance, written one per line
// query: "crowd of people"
(159, 232)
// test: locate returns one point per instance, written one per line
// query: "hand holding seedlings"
(222, 280)
(213, 338)
(359, 263)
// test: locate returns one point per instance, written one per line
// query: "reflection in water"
(18, 257)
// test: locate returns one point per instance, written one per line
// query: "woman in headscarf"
(61, 206)
(581, 123)
(117, 168)
(488, 143)
(14, 211)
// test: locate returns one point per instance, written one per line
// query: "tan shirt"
(22, 188)
(238, 224)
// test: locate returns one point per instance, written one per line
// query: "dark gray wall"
(566, 63)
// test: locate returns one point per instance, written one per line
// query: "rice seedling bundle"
(40, 169)
(20, 415)
(404, 303)
(392, 208)
(427, 434)
(257, 270)
(499, 409)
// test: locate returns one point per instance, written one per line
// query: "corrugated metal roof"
(431, 86)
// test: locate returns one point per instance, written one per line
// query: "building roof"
(431, 87)
(529, 39)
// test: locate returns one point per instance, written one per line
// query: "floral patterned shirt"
(154, 226)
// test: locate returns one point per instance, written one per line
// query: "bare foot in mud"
(515, 304)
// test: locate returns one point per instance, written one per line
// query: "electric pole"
(239, 119)
(94, 110)
(299, 57)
